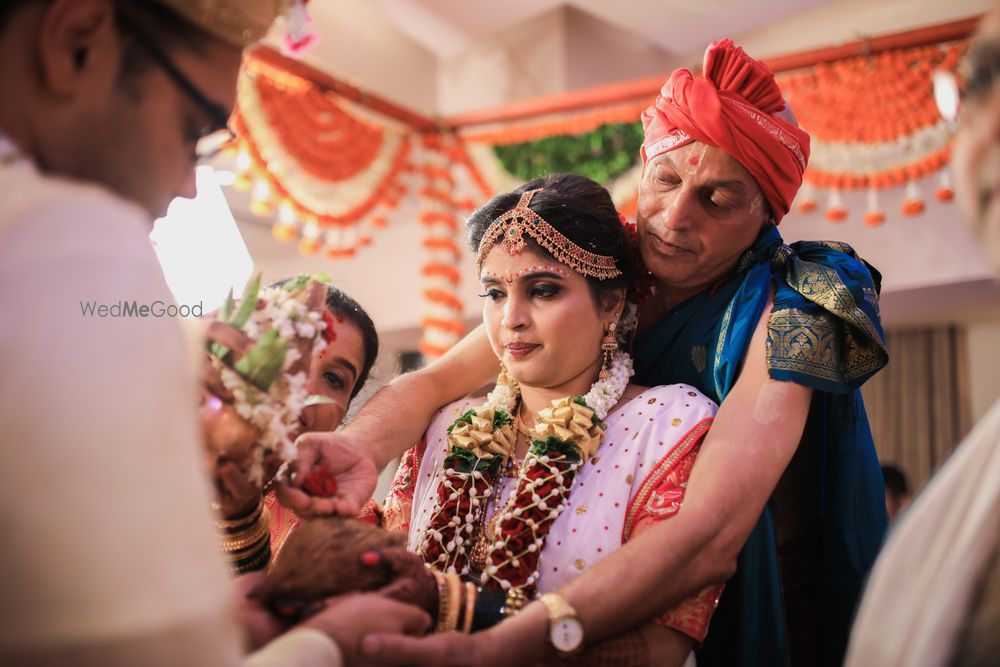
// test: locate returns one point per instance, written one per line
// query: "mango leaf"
(297, 283)
(261, 365)
(248, 303)
(228, 306)
(218, 350)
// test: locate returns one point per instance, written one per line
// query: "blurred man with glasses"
(109, 556)
(934, 594)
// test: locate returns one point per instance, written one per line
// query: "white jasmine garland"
(628, 323)
(503, 397)
(605, 394)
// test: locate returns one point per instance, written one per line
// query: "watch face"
(567, 634)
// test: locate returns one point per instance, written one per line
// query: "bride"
(510, 497)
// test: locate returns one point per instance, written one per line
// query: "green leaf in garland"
(466, 418)
(553, 444)
(262, 363)
(601, 154)
(501, 418)
(464, 461)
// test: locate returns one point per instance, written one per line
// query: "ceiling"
(448, 27)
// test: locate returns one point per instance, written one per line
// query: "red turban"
(733, 107)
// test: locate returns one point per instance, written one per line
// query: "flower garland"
(480, 442)
(289, 326)
(442, 318)
(567, 433)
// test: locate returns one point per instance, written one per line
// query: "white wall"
(983, 339)
(361, 46)
(934, 248)
(384, 277)
(848, 20)
(523, 61)
(599, 53)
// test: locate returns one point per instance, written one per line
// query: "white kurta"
(109, 555)
(642, 439)
(936, 562)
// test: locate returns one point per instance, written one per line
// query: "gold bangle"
(244, 551)
(241, 523)
(454, 600)
(238, 541)
(442, 600)
(470, 606)
(256, 564)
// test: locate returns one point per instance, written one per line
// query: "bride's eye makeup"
(492, 293)
(545, 290)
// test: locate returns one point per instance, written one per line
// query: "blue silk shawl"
(824, 332)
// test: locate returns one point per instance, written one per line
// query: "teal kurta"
(800, 575)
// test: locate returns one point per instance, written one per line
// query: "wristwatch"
(565, 629)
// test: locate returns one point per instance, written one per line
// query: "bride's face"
(542, 319)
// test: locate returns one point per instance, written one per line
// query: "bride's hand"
(355, 474)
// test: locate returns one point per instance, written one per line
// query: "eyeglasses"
(215, 136)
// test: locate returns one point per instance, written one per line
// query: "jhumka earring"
(609, 345)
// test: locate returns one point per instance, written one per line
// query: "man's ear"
(77, 39)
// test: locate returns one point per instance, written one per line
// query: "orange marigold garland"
(874, 123)
(442, 324)
(913, 204)
(835, 209)
(294, 159)
(944, 192)
(874, 216)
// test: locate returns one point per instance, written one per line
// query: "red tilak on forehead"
(693, 160)
(330, 333)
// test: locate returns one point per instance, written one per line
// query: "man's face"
(699, 209)
(976, 158)
(134, 132)
(153, 159)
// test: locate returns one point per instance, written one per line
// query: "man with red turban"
(723, 161)
(782, 336)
